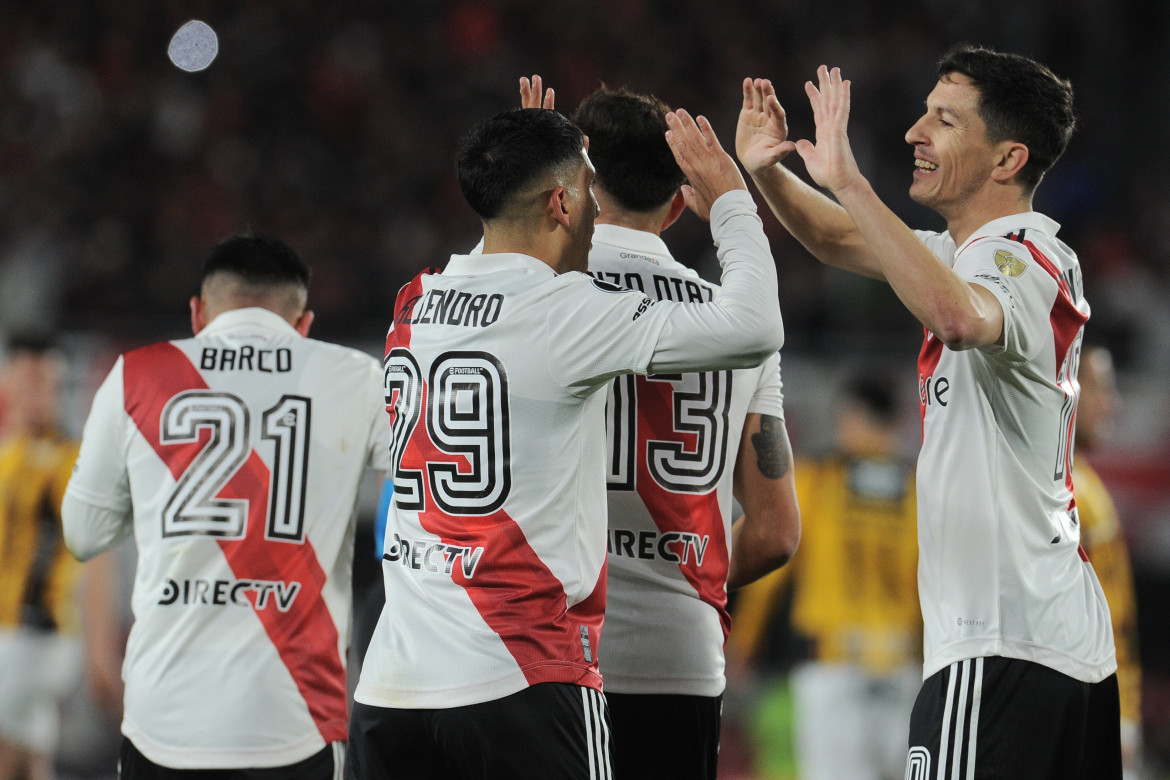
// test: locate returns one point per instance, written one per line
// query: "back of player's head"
(33, 343)
(504, 159)
(254, 269)
(627, 144)
(1019, 100)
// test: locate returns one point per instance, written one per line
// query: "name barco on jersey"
(267, 361)
(666, 288)
(432, 556)
(220, 593)
(673, 547)
(451, 307)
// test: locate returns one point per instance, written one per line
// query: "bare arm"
(815, 220)
(767, 535)
(961, 314)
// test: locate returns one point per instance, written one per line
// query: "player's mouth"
(923, 166)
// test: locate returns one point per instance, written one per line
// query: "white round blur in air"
(194, 46)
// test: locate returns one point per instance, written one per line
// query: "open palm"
(761, 135)
(830, 161)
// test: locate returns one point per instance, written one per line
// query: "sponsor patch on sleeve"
(1008, 264)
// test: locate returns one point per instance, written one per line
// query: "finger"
(749, 95)
(536, 85)
(804, 148)
(708, 132)
(550, 99)
(525, 91)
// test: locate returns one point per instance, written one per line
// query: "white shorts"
(850, 724)
(37, 671)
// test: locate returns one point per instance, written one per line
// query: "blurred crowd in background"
(333, 126)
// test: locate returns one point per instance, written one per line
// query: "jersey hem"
(692, 686)
(219, 757)
(1023, 651)
(390, 697)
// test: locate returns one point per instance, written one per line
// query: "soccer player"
(40, 648)
(853, 595)
(484, 661)
(1016, 626)
(1104, 539)
(678, 447)
(234, 458)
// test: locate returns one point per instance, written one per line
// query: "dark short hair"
(258, 259)
(627, 144)
(500, 156)
(32, 342)
(874, 394)
(1019, 100)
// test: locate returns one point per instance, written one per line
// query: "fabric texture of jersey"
(1001, 571)
(1104, 540)
(672, 442)
(855, 590)
(495, 548)
(240, 453)
(37, 574)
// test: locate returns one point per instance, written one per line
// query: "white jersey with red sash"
(239, 453)
(1001, 570)
(672, 443)
(495, 546)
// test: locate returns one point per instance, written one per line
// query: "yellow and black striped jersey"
(1104, 542)
(855, 573)
(37, 573)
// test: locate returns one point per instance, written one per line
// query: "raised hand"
(830, 161)
(761, 135)
(530, 95)
(710, 171)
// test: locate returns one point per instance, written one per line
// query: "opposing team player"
(484, 662)
(1016, 625)
(234, 458)
(678, 447)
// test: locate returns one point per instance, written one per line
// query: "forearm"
(754, 553)
(962, 315)
(821, 225)
(742, 326)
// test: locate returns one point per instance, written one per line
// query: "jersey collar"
(1002, 226)
(250, 318)
(630, 240)
(476, 264)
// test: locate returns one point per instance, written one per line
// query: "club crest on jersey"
(1008, 264)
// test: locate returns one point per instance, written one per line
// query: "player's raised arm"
(962, 315)
(746, 311)
(815, 220)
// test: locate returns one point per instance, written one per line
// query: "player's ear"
(198, 314)
(304, 322)
(677, 207)
(558, 206)
(1012, 156)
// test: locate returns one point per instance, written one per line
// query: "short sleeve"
(769, 395)
(1025, 291)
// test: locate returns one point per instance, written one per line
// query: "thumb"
(805, 149)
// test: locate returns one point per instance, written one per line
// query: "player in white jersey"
(484, 661)
(678, 447)
(234, 458)
(1016, 625)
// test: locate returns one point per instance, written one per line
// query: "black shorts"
(550, 731)
(665, 736)
(325, 765)
(1005, 718)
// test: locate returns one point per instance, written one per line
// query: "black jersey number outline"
(702, 411)
(467, 417)
(193, 509)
